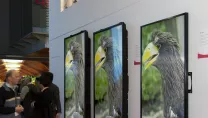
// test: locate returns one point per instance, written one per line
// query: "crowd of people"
(39, 99)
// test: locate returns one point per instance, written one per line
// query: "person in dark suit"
(56, 96)
(43, 105)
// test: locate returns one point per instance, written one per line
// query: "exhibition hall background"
(93, 15)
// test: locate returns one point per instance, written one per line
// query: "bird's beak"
(100, 57)
(69, 60)
(150, 55)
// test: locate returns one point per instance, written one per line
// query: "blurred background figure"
(9, 100)
(24, 82)
(56, 96)
(29, 93)
(44, 104)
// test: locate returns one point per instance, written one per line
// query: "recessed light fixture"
(12, 61)
(12, 64)
(12, 69)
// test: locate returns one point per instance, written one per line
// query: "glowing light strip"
(12, 65)
(13, 69)
(12, 61)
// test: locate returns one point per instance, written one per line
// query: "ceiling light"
(12, 69)
(11, 65)
(12, 61)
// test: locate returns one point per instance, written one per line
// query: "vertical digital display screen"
(75, 76)
(108, 72)
(164, 68)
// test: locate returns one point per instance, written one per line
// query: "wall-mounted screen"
(164, 55)
(77, 76)
(110, 72)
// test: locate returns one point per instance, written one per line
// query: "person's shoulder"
(48, 91)
(54, 86)
(30, 85)
(25, 88)
(2, 88)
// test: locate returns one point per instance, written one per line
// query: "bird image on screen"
(163, 53)
(108, 59)
(74, 68)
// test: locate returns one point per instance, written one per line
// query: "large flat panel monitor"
(77, 76)
(110, 72)
(164, 69)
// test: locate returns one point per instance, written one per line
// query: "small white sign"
(203, 46)
(137, 55)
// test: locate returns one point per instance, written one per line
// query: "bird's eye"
(105, 49)
(158, 46)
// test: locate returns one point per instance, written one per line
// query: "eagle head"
(160, 42)
(74, 54)
(100, 56)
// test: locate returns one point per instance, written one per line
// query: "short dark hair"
(46, 78)
(9, 74)
(38, 79)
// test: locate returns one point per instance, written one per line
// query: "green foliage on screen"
(101, 84)
(151, 78)
(101, 81)
(69, 84)
(151, 84)
(69, 77)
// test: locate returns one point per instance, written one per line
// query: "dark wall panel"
(15, 21)
(20, 19)
(4, 23)
(39, 16)
(27, 17)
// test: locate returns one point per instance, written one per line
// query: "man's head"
(46, 78)
(12, 77)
